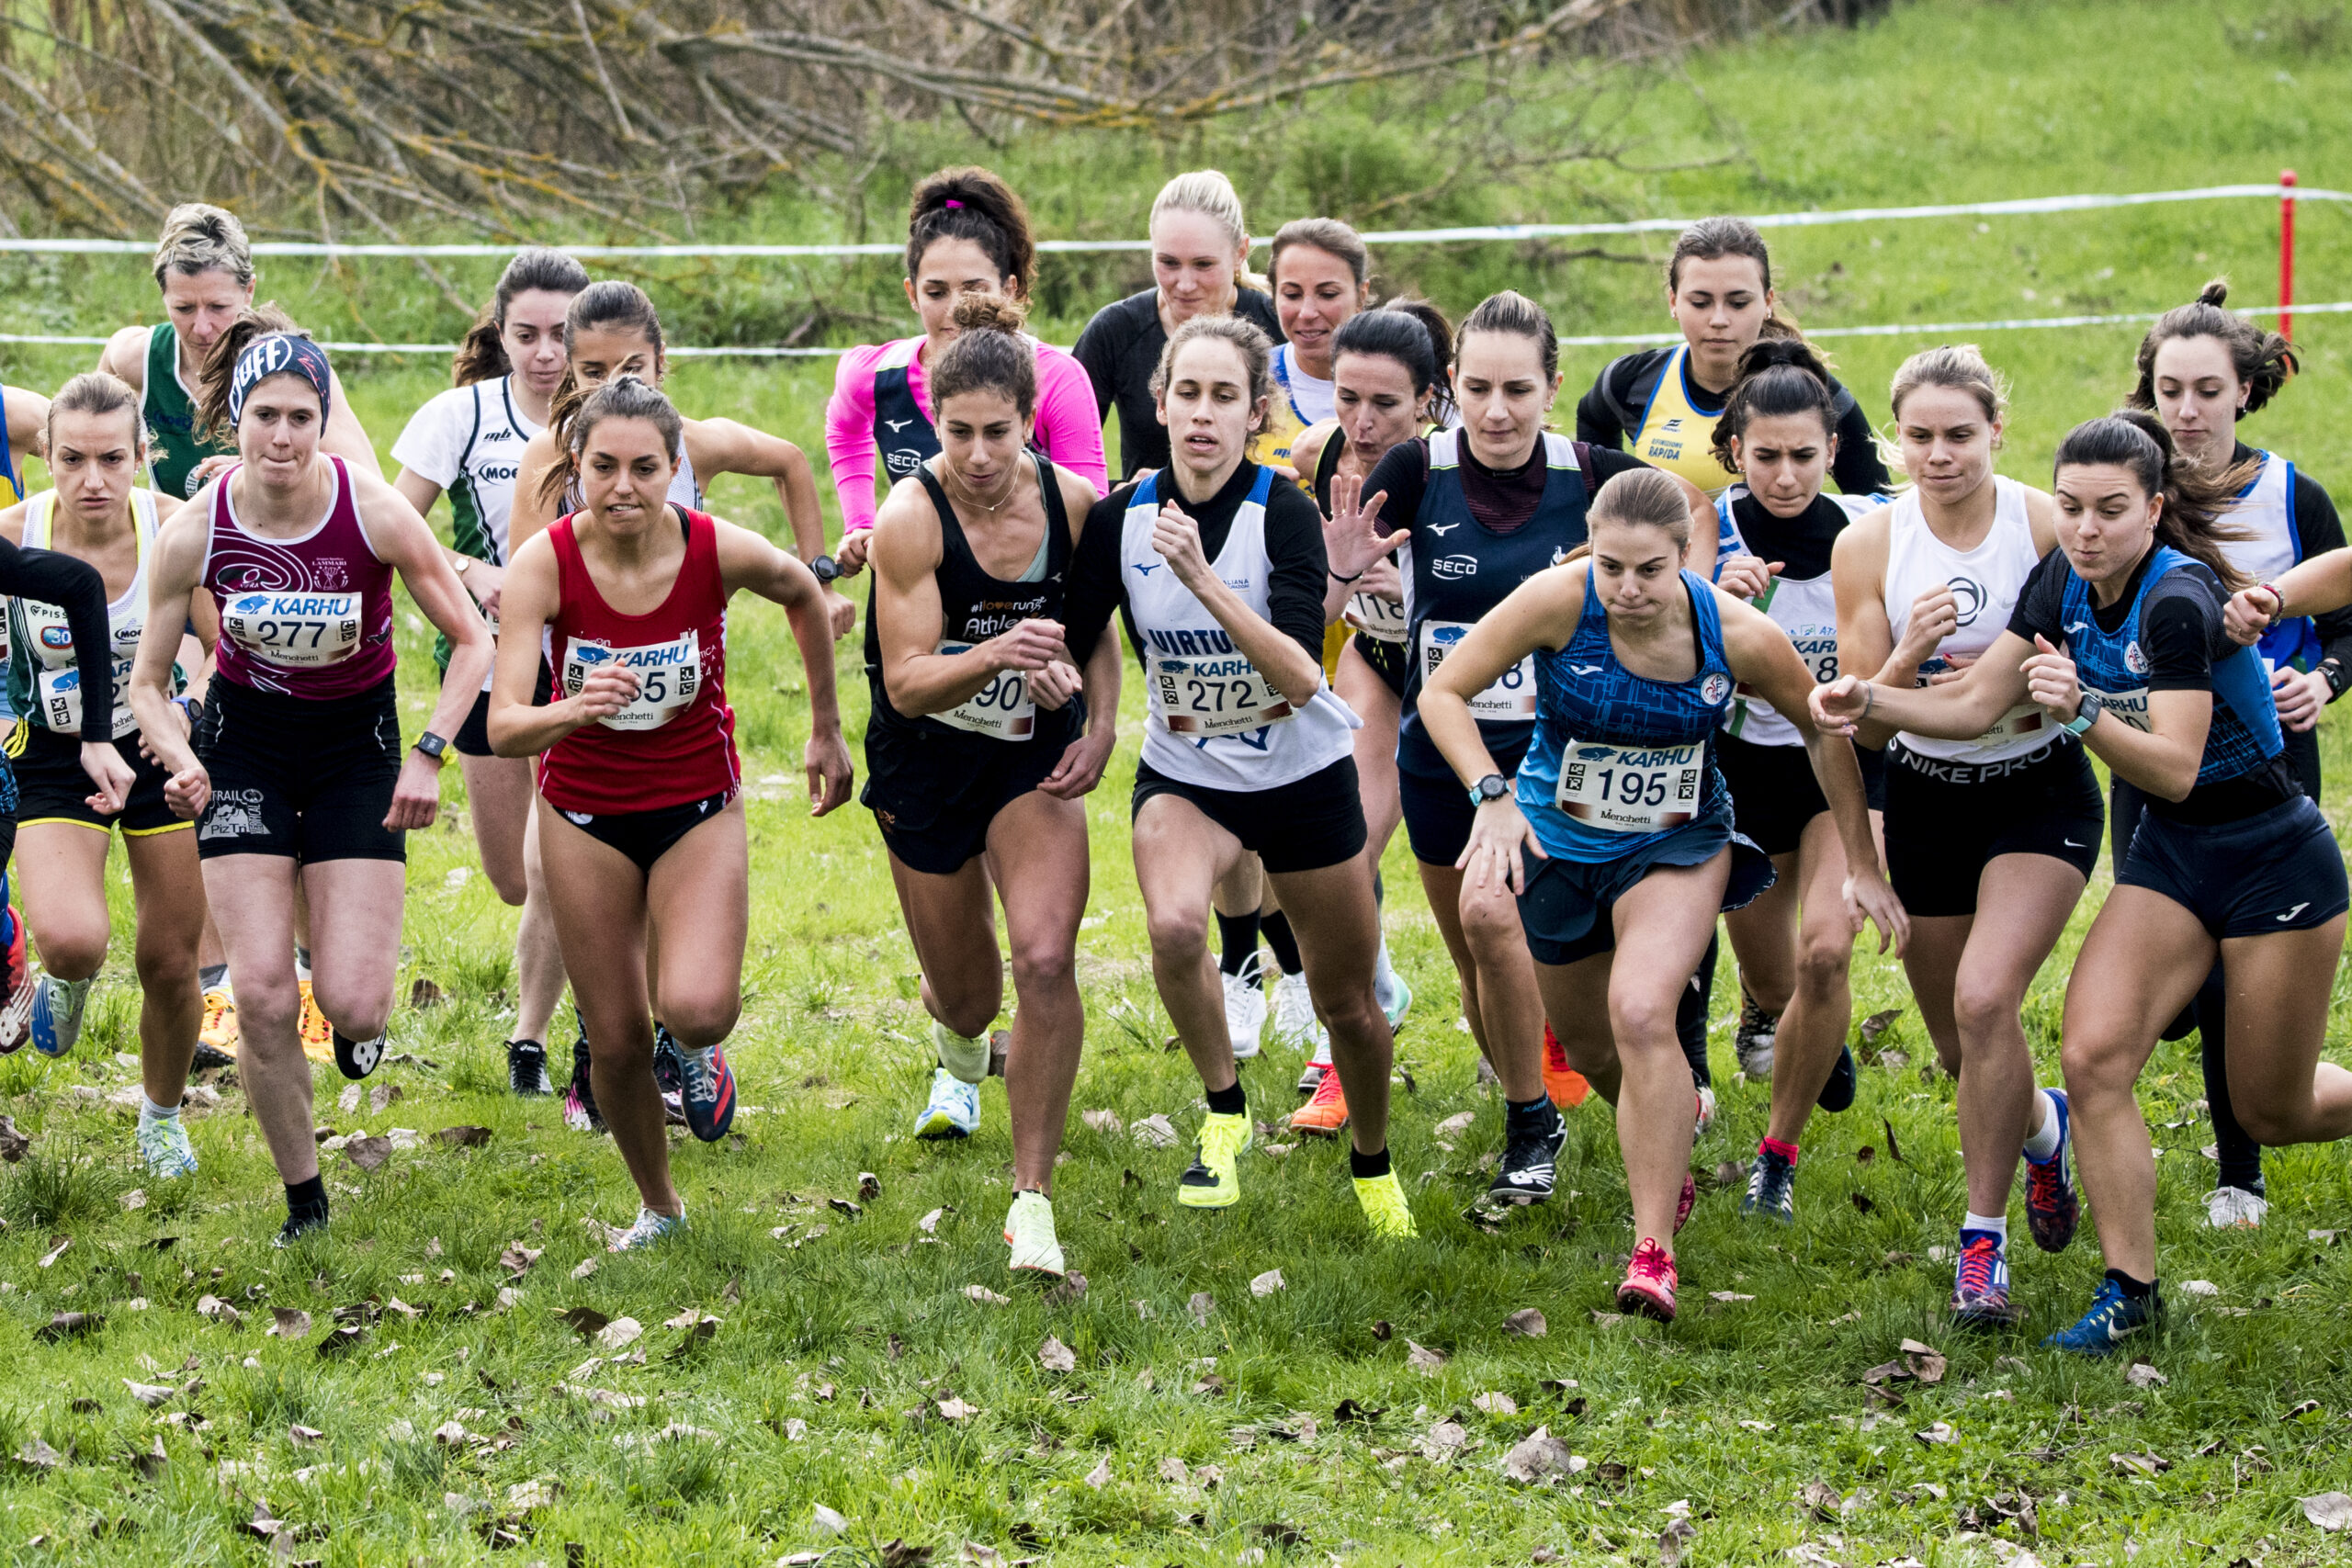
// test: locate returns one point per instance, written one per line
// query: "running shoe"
(163, 1144)
(1316, 1065)
(300, 1223)
(1399, 1001)
(209, 1057)
(1772, 1188)
(1327, 1112)
(1531, 1161)
(218, 1032)
(2234, 1208)
(357, 1058)
(1029, 1231)
(953, 1110)
(1838, 1094)
(2051, 1209)
(527, 1067)
(1754, 1037)
(1648, 1290)
(18, 988)
(1295, 1024)
(1566, 1087)
(1244, 1009)
(1706, 1112)
(318, 1034)
(1980, 1291)
(1214, 1179)
(668, 1064)
(709, 1095)
(1685, 1203)
(649, 1229)
(1384, 1208)
(58, 1006)
(580, 1111)
(2113, 1318)
(966, 1059)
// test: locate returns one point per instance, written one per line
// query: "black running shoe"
(669, 1066)
(1531, 1161)
(1838, 1094)
(527, 1067)
(578, 1098)
(357, 1058)
(208, 1058)
(301, 1222)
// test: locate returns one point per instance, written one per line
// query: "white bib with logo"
(299, 631)
(669, 676)
(1510, 699)
(1383, 620)
(57, 664)
(1631, 789)
(1001, 710)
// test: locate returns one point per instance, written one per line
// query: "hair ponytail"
(1778, 376)
(2263, 362)
(623, 397)
(973, 204)
(482, 357)
(2196, 499)
(988, 354)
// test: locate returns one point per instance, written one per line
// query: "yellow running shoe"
(1384, 1208)
(220, 1029)
(1215, 1180)
(318, 1034)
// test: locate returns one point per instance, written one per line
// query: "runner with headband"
(467, 443)
(1618, 832)
(2203, 368)
(297, 772)
(984, 739)
(967, 234)
(1219, 577)
(640, 818)
(1990, 837)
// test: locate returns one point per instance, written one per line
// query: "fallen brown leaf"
(1527, 1321)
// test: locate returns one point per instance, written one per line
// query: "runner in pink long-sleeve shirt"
(967, 234)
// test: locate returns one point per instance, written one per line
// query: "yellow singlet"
(1674, 433)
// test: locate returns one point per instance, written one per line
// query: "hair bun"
(2214, 293)
(1768, 352)
(2148, 424)
(989, 312)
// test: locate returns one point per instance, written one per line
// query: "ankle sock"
(1774, 1145)
(1533, 1116)
(2134, 1290)
(213, 976)
(1367, 1167)
(1237, 941)
(306, 1197)
(1998, 1228)
(151, 1111)
(1228, 1100)
(2041, 1145)
(1276, 929)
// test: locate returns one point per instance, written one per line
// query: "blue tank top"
(1461, 569)
(902, 433)
(2244, 733)
(1620, 760)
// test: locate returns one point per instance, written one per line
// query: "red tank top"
(305, 617)
(673, 745)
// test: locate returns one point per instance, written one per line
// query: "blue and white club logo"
(2134, 660)
(1714, 688)
(1593, 753)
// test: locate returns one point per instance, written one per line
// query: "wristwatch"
(2332, 671)
(432, 745)
(2087, 714)
(1493, 787)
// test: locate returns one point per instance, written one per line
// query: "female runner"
(1618, 834)
(2202, 370)
(641, 819)
(299, 767)
(1200, 267)
(967, 233)
(1779, 432)
(1220, 575)
(1389, 383)
(983, 738)
(97, 514)
(612, 329)
(1482, 510)
(1990, 837)
(2122, 636)
(469, 442)
(1662, 405)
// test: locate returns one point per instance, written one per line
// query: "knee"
(2098, 1061)
(268, 1013)
(74, 953)
(703, 1020)
(508, 881)
(2269, 1125)
(1639, 1018)
(1177, 935)
(355, 1017)
(1040, 967)
(1823, 965)
(1491, 926)
(1353, 1015)
(1981, 1013)
(166, 970)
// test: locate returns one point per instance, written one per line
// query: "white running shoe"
(1244, 1009)
(649, 1229)
(58, 1006)
(163, 1144)
(1295, 1024)
(2234, 1208)
(1029, 1231)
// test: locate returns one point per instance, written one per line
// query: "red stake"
(2285, 253)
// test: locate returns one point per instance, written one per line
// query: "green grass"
(1942, 102)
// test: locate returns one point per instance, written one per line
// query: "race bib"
(1001, 710)
(669, 675)
(2026, 718)
(59, 693)
(302, 631)
(2131, 706)
(1208, 694)
(1383, 620)
(1512, 695)
(1631, 789)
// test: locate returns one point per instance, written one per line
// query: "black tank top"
(1327, 467)
(975, 606)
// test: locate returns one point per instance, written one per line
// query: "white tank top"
(1986, 581)
(2266, 512)
(1805, 608)
(1214, 720)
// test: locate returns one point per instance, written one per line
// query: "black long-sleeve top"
(74, 586)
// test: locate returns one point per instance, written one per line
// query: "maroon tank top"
(304, 617)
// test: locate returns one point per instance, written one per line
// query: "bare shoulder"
(125, 355)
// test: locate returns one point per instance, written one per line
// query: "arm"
(27, 415)
(481, 577)
(748, 561)
(1954, 710)
(1069, 424)
(1098, 355)
(75, 587)
(529, 516)
(2302, 693)
(125, 357)
(518, 727)
(1865, 633)
(403, 542)
(1597, 423)
(723, 446)
(172, 579)
(2163, 759)
(849, 440)
(1084, 759)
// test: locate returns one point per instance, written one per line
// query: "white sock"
(1999, 1226)
(151, 1111)
(2042, 1143)
(1383, 978)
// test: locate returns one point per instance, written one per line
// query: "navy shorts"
(1388, 661)
(1774, 795)
(2277, 871)
(1437, 812)
(1569, 906)
(1945, 820)
(1304, 824)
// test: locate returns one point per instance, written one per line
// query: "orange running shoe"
(219, 1029)
(318, 1034)
(1326, 1112)
(1567, 1086)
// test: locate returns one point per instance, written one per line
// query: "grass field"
(1200, 1422)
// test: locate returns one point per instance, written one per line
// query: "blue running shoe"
(58, 1006)
(2051, 1209)
(954, 1110)
(2113, 1318)
(1838, 1094)
(1980, 1289)
(668, 1067)
(1772, 1188)
(649, 1230)
(709, 1095)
